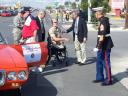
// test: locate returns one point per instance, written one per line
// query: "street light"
(89, 11)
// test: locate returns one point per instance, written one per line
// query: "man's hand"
(65, 31)
(95, 49)
(85, 39)
(65, 39)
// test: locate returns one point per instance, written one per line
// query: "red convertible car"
(13, 67)
(5, 14)
(15, 61)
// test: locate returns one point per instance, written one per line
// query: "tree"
(103, 3)
(49, 7)
(61, 7)
(84, 7)
(74, 5)
(95, 3)
(67, 4)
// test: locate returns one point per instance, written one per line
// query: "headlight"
(2, 77)
(22, 75)
(12, 76)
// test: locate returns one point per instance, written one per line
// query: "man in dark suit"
(79, 28)
(40, 23)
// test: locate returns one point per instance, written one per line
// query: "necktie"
(42, 25)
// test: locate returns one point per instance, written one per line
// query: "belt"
(105, 35)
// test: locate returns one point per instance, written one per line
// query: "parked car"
(5, 14)
(13, 67)
(13, 12)
(15, 60)
(0, 12)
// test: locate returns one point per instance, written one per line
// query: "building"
(117, 6)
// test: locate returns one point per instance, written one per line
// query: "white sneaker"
(33, 69)
(40, 69)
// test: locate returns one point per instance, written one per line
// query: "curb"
(119, 70)
(91, 28)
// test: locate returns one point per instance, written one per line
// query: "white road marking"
(119, 66)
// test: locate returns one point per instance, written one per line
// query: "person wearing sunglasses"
(55, 34)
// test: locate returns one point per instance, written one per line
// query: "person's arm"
(59, 39)
(56, 39)
(17, 23)
(85, 30)
(71, 28)
(103, 30)
(34, 35)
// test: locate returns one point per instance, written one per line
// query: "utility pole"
(126, 13)
(89, 11)
(77, 3)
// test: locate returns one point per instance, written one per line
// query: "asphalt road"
(73, 80)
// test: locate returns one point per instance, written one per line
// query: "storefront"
(117, 6)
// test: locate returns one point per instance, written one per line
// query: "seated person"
(55, 35)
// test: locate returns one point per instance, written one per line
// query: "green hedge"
(94, 3)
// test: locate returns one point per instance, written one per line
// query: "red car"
(5, 14)
(13, 67)
(15, 61)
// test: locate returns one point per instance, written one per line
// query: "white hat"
(97, 9)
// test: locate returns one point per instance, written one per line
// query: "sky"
(34, 3)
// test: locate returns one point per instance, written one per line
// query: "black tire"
(61, 55)
(49, 56)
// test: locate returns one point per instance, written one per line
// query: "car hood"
(10, 58)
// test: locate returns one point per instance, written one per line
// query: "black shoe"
(77, 62)
(80, 64)
(106, 83)
(97, 81)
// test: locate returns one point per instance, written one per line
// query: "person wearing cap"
(104, 45)
(80, 32)
(30, 27)
(29, 33)
(18, 23)
(40, 23)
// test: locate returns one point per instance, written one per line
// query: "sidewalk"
(120, 70)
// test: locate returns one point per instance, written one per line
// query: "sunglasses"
(54, 22)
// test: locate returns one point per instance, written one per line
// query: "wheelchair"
(59, 54)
